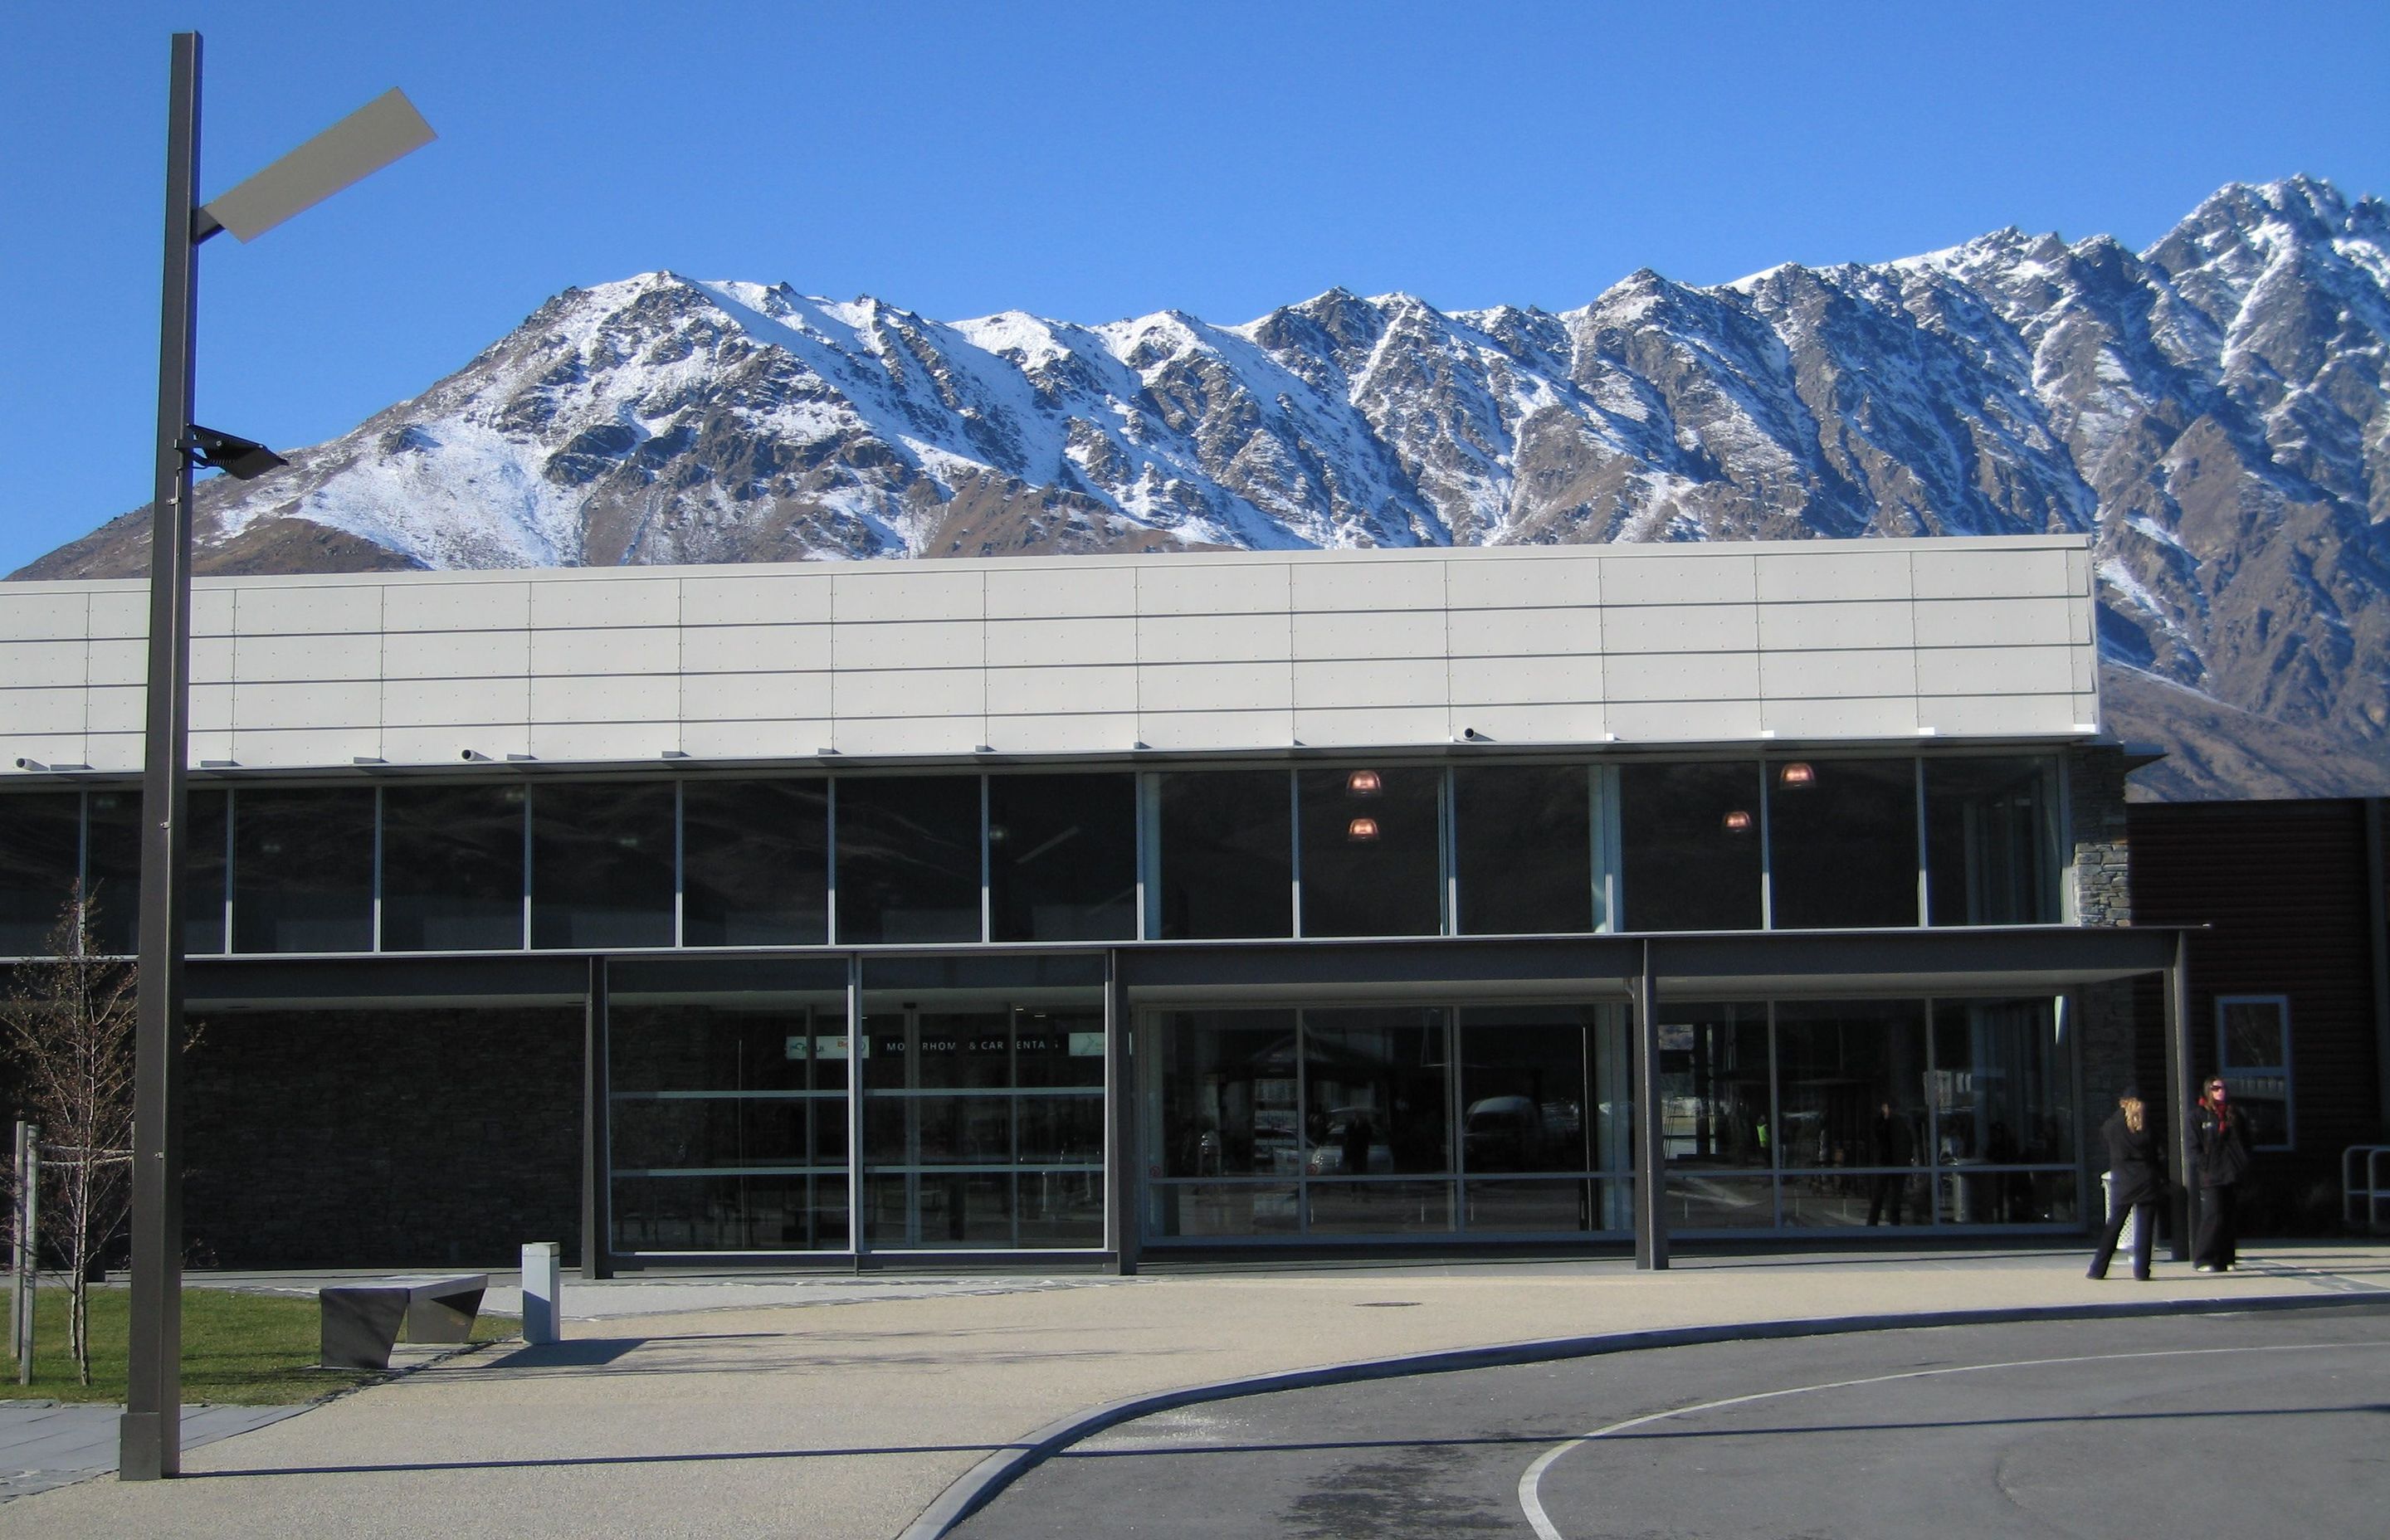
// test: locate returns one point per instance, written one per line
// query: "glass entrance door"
(983, 1105)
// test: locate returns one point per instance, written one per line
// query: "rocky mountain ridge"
(2214, 410)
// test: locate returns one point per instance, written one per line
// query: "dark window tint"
(112, 869)
(452, 865)
(2003, 1089)
(1988, 836)
(1061, 857)
(302, 872)
(1851, 1087)
(1376, 1097)
(1528, 1092)
(755, 863)
(1842, 840)
(1524, 845)
(1227, 857)
(602, 864)
(1689, 846)
(1371, 843)
(40, 841)
(1714, 1086)
(908, 858)
(1228, 1104)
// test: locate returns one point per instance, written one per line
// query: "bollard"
(542, 1292)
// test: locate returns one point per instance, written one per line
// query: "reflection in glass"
(1226, 854)
(2003, 1094)
(1523, 838)
(112, 870)
(1378, 1208)
(1839, 1066)
(1225, 1210)
(1375, 1093)
(908, 858)
(1990, 838)
(601, 864)
(1371, 861)
(1715, 1108)
(452, 867)
(1229, 1105)
(40, 852)
(755, 863)
(1061, 857)
(302, 872)
(703, 1085)
(1698, 1201)
(1689, 846)
(1508, 1206)
(1841, 842)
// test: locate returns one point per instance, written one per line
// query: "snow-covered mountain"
(2216, 409)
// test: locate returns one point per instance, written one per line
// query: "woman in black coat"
(2219, 1133)
(2136, 1181)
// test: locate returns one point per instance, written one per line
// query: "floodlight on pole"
(151, 1436)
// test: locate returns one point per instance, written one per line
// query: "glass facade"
(1551, 848)
(1845, 1114)
(1366, 1122)
(304, 871)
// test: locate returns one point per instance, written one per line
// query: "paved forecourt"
(850, 1419)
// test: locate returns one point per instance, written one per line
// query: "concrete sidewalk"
(841, 1408)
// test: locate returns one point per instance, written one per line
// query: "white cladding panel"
(1641, 645)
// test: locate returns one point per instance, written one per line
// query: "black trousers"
(2212, 1242)
(2141, 1241)
(1891, 1188)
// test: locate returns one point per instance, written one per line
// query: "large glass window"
(1852, 1093)
(755, 863)
(1226, 854)
(728, 1113)
(1841, 842)
(984, 1104)
(1716, 1115)
(908, 858)
(302, 870)
(40, 843)
(1522, 840)
(452, 867)
(2003, 1094)
(1377, 1104)
(1371, 853)
(1061, 857)
(1544, 1107)
(601, 864)
(1990, 841)
(112, 869)
(2252, 1054)
(1689, 846)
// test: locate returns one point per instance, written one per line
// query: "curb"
(978, 1486)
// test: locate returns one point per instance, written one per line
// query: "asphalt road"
(2262, 1424)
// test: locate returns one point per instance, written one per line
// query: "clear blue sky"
(1081, 160)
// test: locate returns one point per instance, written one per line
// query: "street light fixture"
(150, 1437)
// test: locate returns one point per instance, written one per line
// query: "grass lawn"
(254, 1350)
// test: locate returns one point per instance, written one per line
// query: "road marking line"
(1530, 1480)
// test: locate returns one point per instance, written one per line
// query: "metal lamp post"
(151, 1435)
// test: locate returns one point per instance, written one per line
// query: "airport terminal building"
(1104, 908)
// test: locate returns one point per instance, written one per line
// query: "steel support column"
(150, 1435)
(1651, 1147)
(2178, 1093)
(1124, 1185)
(597, 1107)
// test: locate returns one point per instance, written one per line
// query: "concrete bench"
(361, 1320)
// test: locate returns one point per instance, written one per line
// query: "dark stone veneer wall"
(382, 1137)
(2099, 855)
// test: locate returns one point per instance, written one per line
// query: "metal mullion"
(1447, 851)
(1294, 854)
(857, 1044)
(225, 898)
(829, 869)
(1924, 858)
(522, 942)
(82, 868)
(1767, 875)
(986, 867)
(680, 873)
(1775, 1123)
(377, 869)
(1932, 1119)
(1456, 1145)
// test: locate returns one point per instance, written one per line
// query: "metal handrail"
(2374, 1190)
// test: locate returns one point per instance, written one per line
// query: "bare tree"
(68, 1021)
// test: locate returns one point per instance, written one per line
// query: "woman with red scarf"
(2219, 1136)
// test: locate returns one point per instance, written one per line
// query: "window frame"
(2228, 1072)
